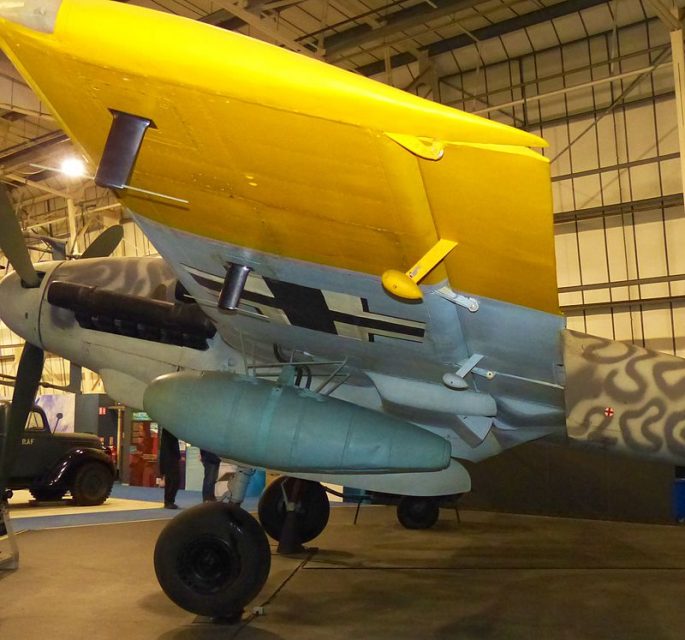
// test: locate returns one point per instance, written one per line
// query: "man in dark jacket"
(169, 467)
(211, 462)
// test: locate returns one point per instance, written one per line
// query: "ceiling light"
(73, 167)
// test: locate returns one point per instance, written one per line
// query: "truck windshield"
(34, 422)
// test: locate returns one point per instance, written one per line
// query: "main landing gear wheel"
(212, 559)
(311, 508)
(416, 512)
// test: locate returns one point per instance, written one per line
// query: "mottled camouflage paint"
(624, 397)
(148, 277)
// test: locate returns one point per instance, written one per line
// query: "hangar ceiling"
(593, 77)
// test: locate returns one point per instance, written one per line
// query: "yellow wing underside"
(284, 154)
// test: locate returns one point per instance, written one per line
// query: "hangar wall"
(542, 478)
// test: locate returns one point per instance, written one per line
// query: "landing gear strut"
(11, 561)
(310, 504)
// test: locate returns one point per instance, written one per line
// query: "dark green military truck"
(50, 464)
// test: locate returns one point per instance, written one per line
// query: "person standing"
(169, 467)
(211, 462)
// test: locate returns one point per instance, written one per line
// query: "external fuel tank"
(266, 424)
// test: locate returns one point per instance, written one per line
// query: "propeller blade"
(105, 243)
(12, 242)
(58, 248)
(75, 378)
(28, 379)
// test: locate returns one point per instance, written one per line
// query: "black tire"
(92, 484)
(212, 559)
(48, 494)
(311, 511)
(416, 512)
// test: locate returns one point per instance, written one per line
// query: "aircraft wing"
(283, 154)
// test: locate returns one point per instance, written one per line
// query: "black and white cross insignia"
(325, 311)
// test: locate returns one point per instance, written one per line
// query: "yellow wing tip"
(538, 141)
(527, 139)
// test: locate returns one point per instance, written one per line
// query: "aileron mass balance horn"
(356, 285)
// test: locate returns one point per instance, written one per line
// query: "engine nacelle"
(264, 424)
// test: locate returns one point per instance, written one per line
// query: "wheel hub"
(92, 484)
(419, 510)
(208, 564)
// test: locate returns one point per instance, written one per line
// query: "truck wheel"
(47, 494)
(92, 484)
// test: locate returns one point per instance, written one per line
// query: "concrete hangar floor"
(491, 576)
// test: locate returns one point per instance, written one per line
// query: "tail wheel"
(312, 509)
(416, 512)
(212, 559)
(92, 484)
